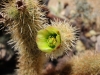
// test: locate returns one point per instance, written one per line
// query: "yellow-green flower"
(48, 39)
(57, 39)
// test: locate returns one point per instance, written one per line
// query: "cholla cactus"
(24, 20)
(66, 35)
(87, 63)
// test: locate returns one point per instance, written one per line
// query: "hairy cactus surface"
(24, 19)
(63, 43)
(33, 37)
(87, 63)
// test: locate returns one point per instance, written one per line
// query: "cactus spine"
(24, 19)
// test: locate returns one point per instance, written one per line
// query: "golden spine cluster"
(24, 20)
(87, 63)
(68, 38)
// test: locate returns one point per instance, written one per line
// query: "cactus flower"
(48, 39)
(57, 39)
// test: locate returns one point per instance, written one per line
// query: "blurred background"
(84, 14)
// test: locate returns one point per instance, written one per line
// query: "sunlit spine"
(24, 20)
